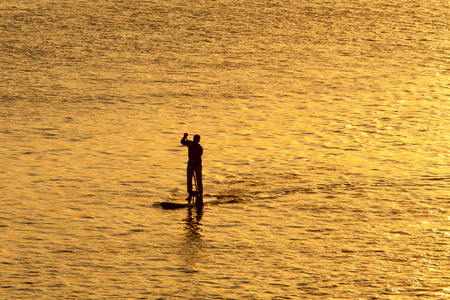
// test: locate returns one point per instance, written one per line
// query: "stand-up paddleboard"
(183, 203)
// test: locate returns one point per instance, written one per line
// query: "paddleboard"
(184, 203)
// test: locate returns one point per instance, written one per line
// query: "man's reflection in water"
(193, 225)
(192, 248)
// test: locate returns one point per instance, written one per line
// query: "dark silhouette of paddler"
(194, 166)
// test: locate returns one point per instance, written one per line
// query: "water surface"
(325, 129)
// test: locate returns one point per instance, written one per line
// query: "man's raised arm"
(184, 139)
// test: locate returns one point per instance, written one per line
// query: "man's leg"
(198, 175)
(189, 173)
(199, 180)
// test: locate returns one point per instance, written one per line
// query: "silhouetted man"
(194, 166)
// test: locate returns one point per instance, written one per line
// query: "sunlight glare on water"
(325, 135)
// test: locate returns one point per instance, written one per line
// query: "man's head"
(196, 138)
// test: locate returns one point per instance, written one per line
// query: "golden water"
(325, 123)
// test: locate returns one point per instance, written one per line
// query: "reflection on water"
(193, 225)
(327, 121)
(192, 248)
